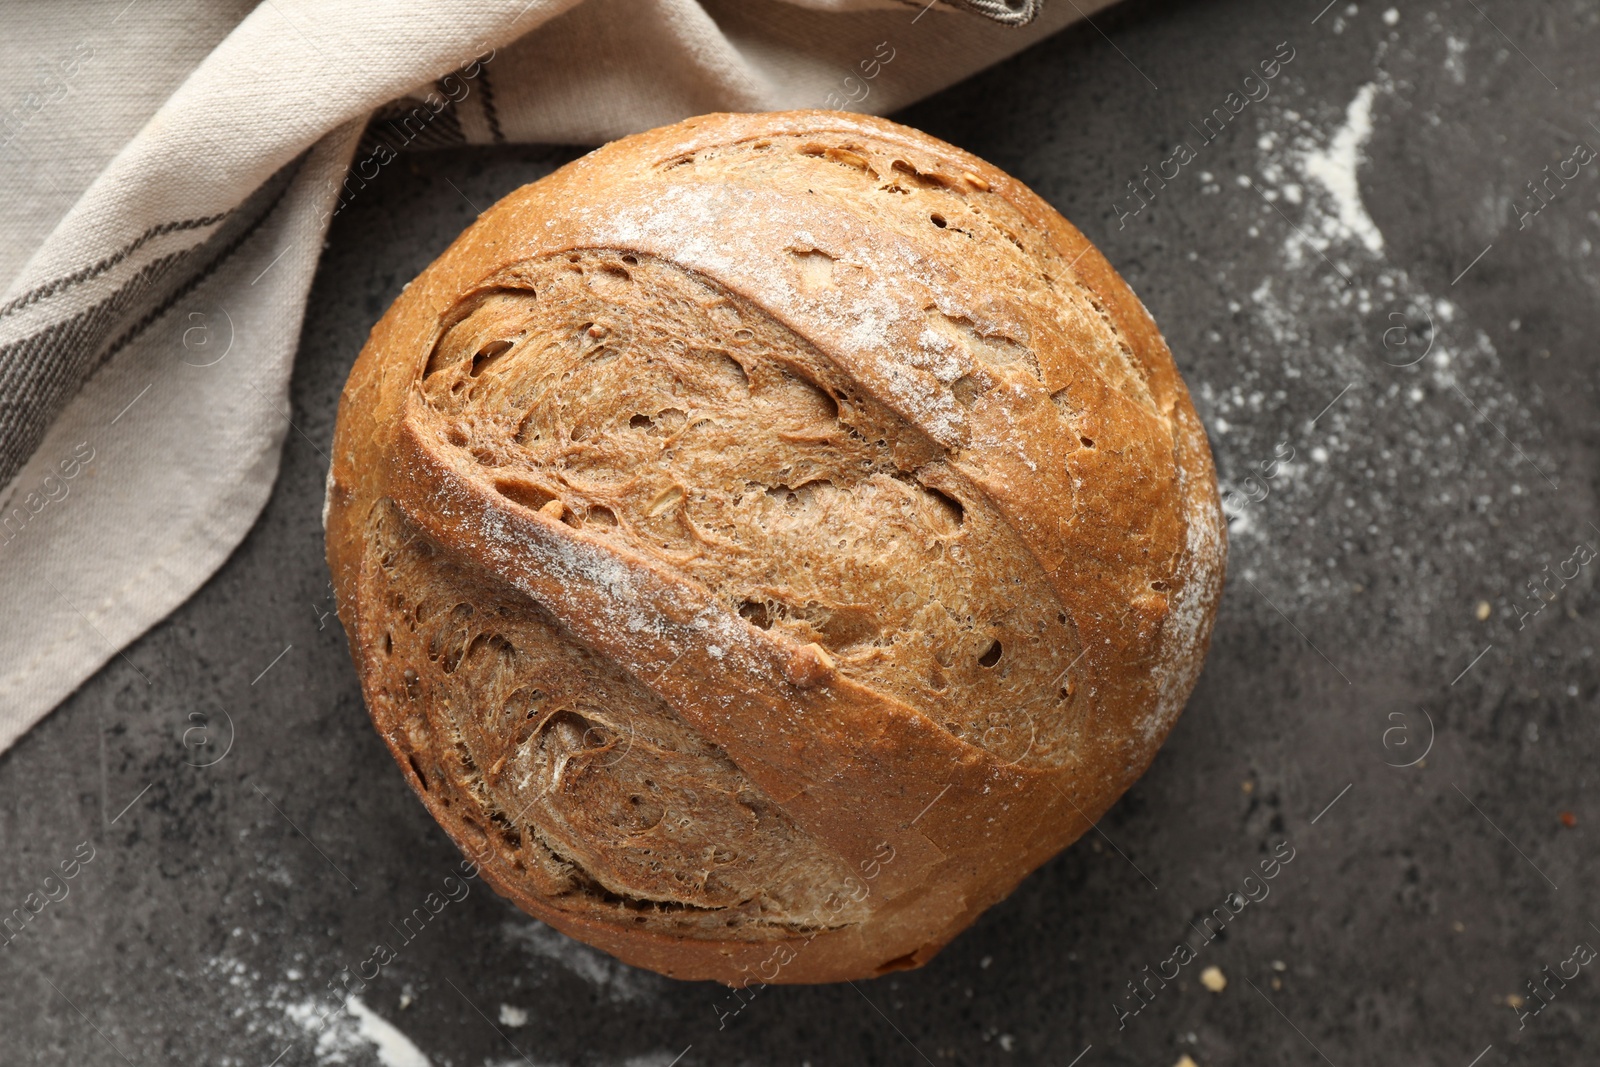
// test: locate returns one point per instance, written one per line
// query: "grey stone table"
(1390, 335)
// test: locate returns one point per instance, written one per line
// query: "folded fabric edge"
(74, 626)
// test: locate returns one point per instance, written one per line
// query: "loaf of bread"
(768, 538)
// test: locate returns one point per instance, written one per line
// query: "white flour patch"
(1334, 166)
(394, 1048)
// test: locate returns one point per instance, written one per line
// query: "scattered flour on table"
(282, 1011)
(1396, 492)
(289, 1014)
(612, 978)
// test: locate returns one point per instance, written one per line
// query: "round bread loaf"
(768, 538)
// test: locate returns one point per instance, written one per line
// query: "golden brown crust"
(767, 539)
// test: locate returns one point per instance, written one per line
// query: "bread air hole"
(508, 832)
(948, 514)
(525, 493)
(756, 613)
(487, 355)
(924, 179)
(992, 655)
(847, 155)
(610, 279)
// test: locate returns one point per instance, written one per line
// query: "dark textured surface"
(220, 904)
